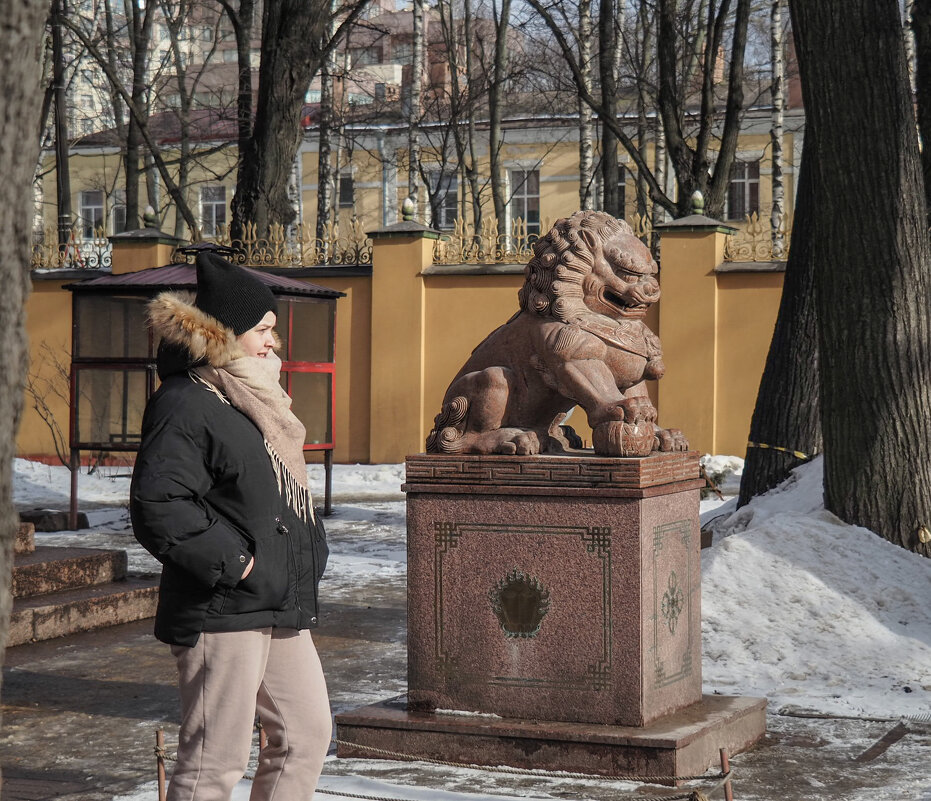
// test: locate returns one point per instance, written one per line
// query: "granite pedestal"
(560, 598)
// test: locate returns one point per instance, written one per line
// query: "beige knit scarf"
(250, 384)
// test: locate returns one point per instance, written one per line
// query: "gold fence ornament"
(755, 242)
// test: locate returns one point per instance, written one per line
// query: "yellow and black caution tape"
(796, 454)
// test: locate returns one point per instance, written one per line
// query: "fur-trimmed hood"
(192, 336)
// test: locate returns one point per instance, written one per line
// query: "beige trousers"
(224, 680)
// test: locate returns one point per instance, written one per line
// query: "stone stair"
(59, 591)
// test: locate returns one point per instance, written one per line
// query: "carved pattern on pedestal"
(672, 600)
(596, 540)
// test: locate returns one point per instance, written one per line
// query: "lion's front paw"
(638, 410)
(616, 438)
(670, 439)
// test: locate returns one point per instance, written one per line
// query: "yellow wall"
(748, 303)
(353, 367)
(48, 326)
(396, 358)
(461, 310)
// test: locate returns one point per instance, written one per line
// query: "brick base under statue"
(561, 594)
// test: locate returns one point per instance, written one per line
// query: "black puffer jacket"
(204, 500)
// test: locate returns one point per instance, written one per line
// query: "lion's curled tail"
(446, 436)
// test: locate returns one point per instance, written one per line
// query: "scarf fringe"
(295, 494)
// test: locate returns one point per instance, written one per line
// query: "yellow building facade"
(411, 315)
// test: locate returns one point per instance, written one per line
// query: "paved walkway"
(80, 715)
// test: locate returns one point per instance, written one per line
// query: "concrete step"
(52, 569)
(58, 614)
(25, 541)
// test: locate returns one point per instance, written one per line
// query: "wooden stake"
(160, 761)
(726, 768)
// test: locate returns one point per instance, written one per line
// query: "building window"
(444, 200)
(525, 198)
(346, 191)
(365, 56)
(402, 53)
(91, 205)
(212, 210)
(743, 192)
(118, 211)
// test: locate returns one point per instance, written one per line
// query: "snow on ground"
(796, 605)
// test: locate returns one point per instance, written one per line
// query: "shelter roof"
(184, 276)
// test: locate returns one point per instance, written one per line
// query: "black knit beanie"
(231, 294)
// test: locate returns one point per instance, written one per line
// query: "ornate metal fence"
(298, 246)
(77, 253)
(756, 242)
(463, 245)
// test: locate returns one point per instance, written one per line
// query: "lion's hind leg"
(471, 421)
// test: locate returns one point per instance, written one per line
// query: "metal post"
(160, 761)
(73, 504)
(328, 486)
(725, 769)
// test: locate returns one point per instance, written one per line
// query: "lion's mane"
(555, 275)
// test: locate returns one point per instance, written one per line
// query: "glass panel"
(312, 332)
(313, 395)
(110, 404)
(111, 327)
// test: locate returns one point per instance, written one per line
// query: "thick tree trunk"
(607, 56)
(921, 28)
(873, 283)
(20, 69)
(292, 33)
(787, 416)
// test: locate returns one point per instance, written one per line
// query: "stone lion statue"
(578, 340)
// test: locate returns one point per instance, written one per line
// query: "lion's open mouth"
(623, 305)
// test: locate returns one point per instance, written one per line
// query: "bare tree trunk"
(413, 122)
(62, 161)
(292, 51)
(325, 182)
(607, 56)
(787, 415)
(777, 213)
(140, 24)
(496, 93)
(873, 292)
(472, 169)
(644, 101)
(586, 126)
(20, 69)
(659, 168)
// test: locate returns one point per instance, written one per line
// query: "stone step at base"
(62, 613)
(53, 569)
(25, 541)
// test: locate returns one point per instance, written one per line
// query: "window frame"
(89, 230)
(213, 205)
(518, 199)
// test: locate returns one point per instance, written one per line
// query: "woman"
(219, 496)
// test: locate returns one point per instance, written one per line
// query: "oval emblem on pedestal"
(520, 602)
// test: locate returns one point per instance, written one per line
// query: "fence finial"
(698, 202)
(407, 210)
